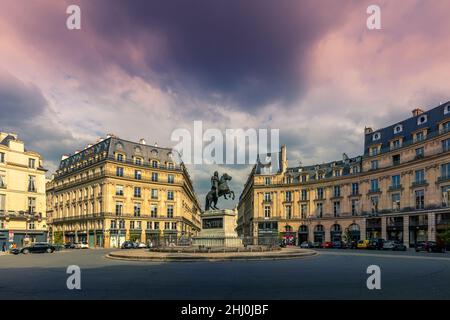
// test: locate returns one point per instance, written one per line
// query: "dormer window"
(447, 109)
(376, 136)
(398, 128)
(422, 119)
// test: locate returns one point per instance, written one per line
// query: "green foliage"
(58, 237)
(445, 236)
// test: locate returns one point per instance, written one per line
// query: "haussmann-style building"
(118, 190)
(397, 190)
(22, 194)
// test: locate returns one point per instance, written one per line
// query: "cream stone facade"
(22, 193)
(398, 190)
(117, 190)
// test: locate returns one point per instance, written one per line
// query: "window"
(120, 157)
(267, 181)
(137, 209)
(445, 196)
(119, 171)
(139, 225)
(154, 194)
(288, 212)
(304, 195)
(355, 207)
(336, 208)
(154, 176)
(138, 161)
(174, 226)
(170, 195)
(113, 224)
(355, 188)
(170, 211)
(337, 191)
(355, 169)
(396, 202)
(154, 164)
(374, 185)
(319, 210)
(131, 224)
(420, 176)
(288, 196)
(445, 145)
(31, 163)
(374, 201)
(156, 225)
(31, 225)
(119, 190)
(374, 164)
(419, 136)
(267, 197)
(2, 202)
(170, 165)
(31, 205)
(398, 128)
(149, 225)
(170, 178)
(337, 173)
(167, 225)
(396, 144)
(373, 151)
(446, 127)
(396, 160)
(304, 210)
(319, 193)
(422, 119)
(2, 157)
(395, 181)
(137, 174)
(420, 152)
(304, 178)
(376, 136)
(2, 180)
(154, 211)
(31, 184)
(267, 212)
(121, 224)
(137, 192)
(445, 171)
(119, 208)
(420, 199)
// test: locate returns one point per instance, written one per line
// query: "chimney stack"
(142, 141)
(416, 112)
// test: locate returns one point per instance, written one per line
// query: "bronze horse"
(212, 197)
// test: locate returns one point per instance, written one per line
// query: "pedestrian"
(4, 247)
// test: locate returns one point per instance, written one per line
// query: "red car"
(327, 245)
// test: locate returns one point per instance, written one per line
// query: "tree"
(58, 237)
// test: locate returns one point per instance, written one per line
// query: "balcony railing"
(395, 187)
(444, 178)
(420, 183)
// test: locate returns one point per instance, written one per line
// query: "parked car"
(317, 244)
(128, 245)
(307, 245)
(339, 245)
(327, 245)
(394, 245)
(363, 244)
(141, 245)
(353, 244)
(429, 246)
(81, 245)
(69, 245)
(375, 244)
(38, 247)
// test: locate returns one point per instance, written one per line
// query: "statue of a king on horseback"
(219, 187)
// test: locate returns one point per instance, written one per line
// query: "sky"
(142, 68)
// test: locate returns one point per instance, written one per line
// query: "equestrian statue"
(219, 187)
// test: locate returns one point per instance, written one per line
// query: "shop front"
(354, 232)
(394, 229)
(153, 238)
(135, 236)
(82, 236)
(99, 239)
(268, 233)
(418, 229)
(336, 233)
(116, 238)
(69, 237)
(373, 228)
(302, 234)
(319, 233)
(170, 237)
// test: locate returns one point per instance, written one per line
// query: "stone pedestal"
(218, 229)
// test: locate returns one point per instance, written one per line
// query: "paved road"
(333, 274)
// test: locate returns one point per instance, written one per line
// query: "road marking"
(380, 255)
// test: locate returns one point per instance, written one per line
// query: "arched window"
(303, 229)
(336, 228)
(353, 227)
(376, 136)
(398, 128)
(319, 228)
